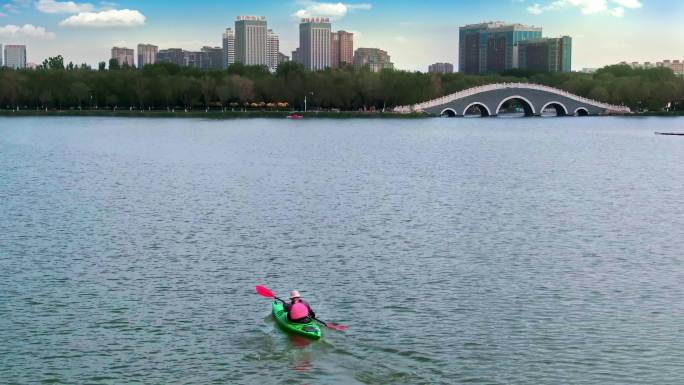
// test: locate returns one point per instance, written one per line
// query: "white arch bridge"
(532, 99)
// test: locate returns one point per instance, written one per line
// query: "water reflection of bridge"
(533, 99)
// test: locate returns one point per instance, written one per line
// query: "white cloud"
(112, 18)
(336, 10)
(617, 11)
(15, 5)
(52, 6)
(401, 39)
(108, 5)
(588, 7)
(535, 9)
(362, 7)
(357, 34)
(628, 3)
(10, 8)
(25, 31)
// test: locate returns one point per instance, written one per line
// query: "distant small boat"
(295, 116)
(670, 133)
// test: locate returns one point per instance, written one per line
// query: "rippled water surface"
(492, 251)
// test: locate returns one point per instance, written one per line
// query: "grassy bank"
(201, 114)
(661, 113)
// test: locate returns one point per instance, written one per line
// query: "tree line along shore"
(169, 89)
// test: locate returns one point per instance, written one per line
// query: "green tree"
(242, 87)
(55, 63)
(188, 90)
(141, 91)
(46, 98)
(166, 85)
(224, 92)
(114, 65)
(81, 92)
(11, 86)
(208, 89)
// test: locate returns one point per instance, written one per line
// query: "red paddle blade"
(334, 326)
(265, 292)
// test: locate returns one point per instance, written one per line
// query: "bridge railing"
(499, 86)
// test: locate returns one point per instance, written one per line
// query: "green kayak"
(309, 330)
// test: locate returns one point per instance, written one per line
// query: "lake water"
(487, 251)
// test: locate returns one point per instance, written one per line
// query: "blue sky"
(415, 33)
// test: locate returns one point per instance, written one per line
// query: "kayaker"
(298, 310)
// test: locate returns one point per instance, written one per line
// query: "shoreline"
(219, 115)
(216, 115)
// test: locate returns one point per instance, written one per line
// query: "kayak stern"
(310, 330)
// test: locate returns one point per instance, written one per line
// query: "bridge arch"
(484, 110)
(449, 112)
(530, 96)
(527, 105)
(555, 105)
(581, 111)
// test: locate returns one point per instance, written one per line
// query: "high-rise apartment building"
(373, 58)
(488, 47)
(2, 63)
(342, 48)
(334, 50)
(228, 48)
(314, 43)
(547, 54)
(15, 56)
(193, 59)
(677, 66)
(296, 57)
(171, 55)
(251, 40)
(147, 54)
(212, 58)
(282, 58)
(441, 68)
(272, 50)
(123, 56)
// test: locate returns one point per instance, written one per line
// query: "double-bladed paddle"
(266, 292)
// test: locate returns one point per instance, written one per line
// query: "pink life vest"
(299, 310)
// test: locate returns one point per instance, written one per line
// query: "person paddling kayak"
(298, 310)
(310, 329)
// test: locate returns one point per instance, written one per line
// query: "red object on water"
(265, 292)
(335, 326)
(295, 116)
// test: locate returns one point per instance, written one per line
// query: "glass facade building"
(171, 55)
(548, 54)
(489, 47)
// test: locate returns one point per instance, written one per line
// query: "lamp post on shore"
(311, 93)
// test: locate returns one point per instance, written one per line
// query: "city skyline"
(416, 34)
